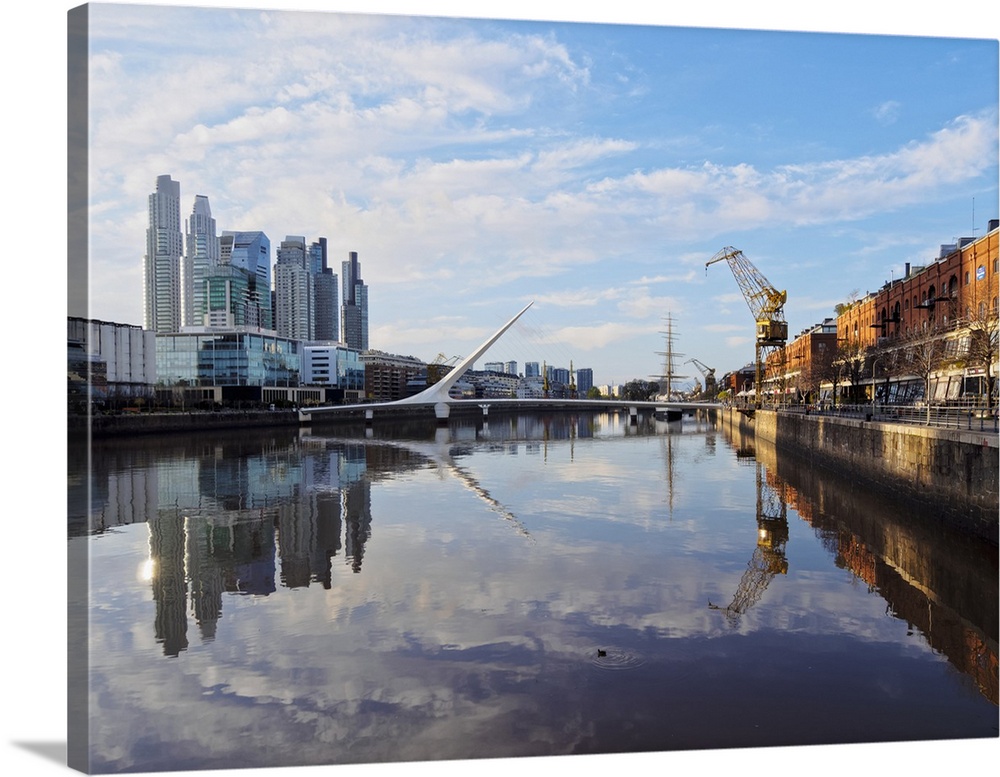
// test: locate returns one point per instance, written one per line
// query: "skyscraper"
(162, 262)
(354, 310)
(200, 256)
(294, 294)
(326, 315)
(251, 252)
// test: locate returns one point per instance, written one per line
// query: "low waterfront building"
(530, 388)
(247, 366)
(115, 364)
(933, 333)
(336, 367)
(387, 375)
(739, 384)
(798, 373)
(492, 384)
(930, 335)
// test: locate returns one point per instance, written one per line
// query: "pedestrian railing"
(952, 415)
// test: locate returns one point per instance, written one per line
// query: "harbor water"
(520, 585)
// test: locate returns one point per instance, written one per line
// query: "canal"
(532, 585)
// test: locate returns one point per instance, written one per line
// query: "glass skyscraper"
(251, 252)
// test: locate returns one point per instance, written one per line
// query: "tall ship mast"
(670, 357)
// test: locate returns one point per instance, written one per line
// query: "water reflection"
(768, 557)
(414, 592)
(941, 583)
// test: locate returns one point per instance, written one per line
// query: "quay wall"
(955, 472)
(165, 423)
(126, 424)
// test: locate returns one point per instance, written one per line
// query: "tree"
(921, 353)
(852, 356)
(981, 320)
(843, 307)
(640, 390)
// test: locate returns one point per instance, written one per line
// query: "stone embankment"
(160, 423)
(956, 471)
(126, 424)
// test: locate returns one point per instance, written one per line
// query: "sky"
(591, 167)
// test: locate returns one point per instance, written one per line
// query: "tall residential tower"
(162, 262)
(201, 256)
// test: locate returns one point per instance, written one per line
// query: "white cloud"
(887, 112)
(597, 335)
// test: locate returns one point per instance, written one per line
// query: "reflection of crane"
(768, 557)
(708, 373)
(765, 302)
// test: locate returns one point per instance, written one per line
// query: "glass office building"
(256, 366)
(229, 358)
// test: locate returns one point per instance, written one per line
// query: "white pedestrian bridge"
(437, 396)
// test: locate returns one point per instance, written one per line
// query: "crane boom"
(764, 301)
(703, 368)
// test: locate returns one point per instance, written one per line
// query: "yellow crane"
(766, 304)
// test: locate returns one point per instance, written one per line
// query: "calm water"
(534, 586)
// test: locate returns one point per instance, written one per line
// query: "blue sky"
(594, 168)
(477, 164)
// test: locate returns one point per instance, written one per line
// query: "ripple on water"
(615, 659)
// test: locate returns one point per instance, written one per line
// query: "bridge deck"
(442, 409)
